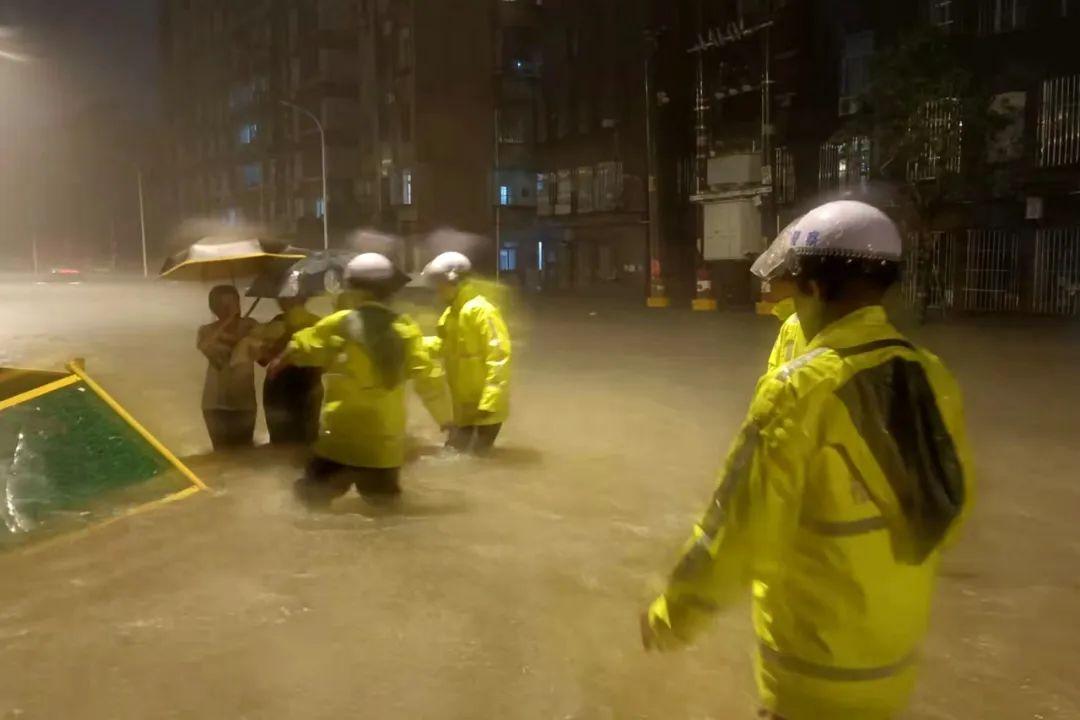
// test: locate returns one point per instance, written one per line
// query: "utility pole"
(769, 205)
(657, 297)
(142, 226)
(498, 201)
(325, 197)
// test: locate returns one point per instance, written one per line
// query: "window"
(545, 183)
(564, 192)
(253, 175)
(406, 187)
(320, 207)
(508, 259)
(586, 202)
(515, 124)
(249, 133)
(940, 13)
(1001, 16)
(1059, 122)
(540, 255)
(855, 70)
(940, 126)
(504, 195)
(844, 165)
(608, 186)
(784, 175)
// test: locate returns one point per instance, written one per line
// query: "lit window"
(508, 259)
(249, 133)
(406, 187)
(540, 255)
(504, 194)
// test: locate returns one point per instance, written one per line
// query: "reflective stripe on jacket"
(846, 480)
(367, 355)
(474, 344)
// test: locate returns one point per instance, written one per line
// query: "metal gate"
(930, 266)
(1057, 272)
(991, 278)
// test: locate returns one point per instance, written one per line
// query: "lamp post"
(142, 226)
(322, 141)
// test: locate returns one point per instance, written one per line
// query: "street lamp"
(325, 198)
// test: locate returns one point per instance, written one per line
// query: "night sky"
(89, 52)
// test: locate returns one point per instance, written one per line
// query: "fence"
(997, 271)
(1056, 289)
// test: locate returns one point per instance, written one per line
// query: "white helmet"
(844, 229)
(370, 268)
(448, 266)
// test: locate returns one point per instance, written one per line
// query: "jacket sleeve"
(434, 343)
(318, 345)
(427, 375)
(753, 514)
(495, 341)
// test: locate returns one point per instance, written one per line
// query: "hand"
(275, 366)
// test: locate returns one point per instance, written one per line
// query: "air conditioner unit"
(848, 106)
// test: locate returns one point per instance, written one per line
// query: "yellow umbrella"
(222, 259)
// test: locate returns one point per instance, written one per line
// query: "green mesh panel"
(66, 459)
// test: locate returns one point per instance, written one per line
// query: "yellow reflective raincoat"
(367, 355)
(790, 343)
(849, 475)
(474, 345)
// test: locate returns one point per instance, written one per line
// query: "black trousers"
(230, 428)
(325, 480)
(476, 439)
(291, 403)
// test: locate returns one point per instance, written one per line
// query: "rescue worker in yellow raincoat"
(848, 478)
(474, 345)
(367, 355)
(780, 291)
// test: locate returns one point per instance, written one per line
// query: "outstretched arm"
(753, 512)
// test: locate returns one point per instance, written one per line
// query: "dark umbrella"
(320, 273)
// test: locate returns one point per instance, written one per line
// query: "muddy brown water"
(507, 587)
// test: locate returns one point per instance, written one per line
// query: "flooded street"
(507, 587)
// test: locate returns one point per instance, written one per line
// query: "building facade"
(530, 133)
(240, 154)
(781, 116)
(522, 121)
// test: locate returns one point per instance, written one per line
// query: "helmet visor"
(772, 263)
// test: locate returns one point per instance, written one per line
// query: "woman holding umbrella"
(228, 401)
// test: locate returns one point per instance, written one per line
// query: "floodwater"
(507, 587)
